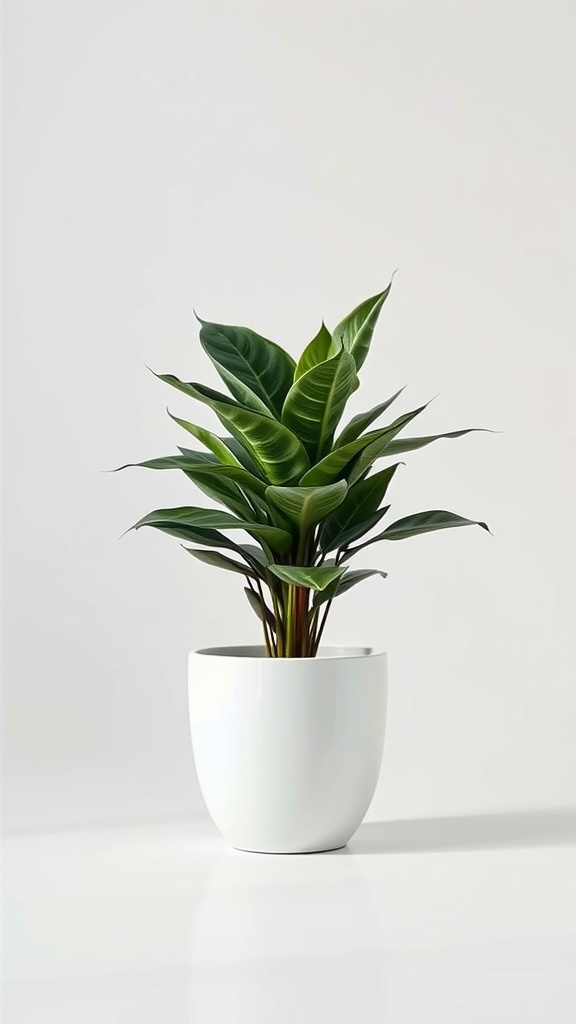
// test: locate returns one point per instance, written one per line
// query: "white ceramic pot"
(287, 750)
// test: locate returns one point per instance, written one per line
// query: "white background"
(270, 164)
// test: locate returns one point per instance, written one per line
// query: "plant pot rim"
(257, 653)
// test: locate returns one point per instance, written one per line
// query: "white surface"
(454, 921)
(287, 750)
(271, 164)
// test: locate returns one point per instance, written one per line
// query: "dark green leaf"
(214, 519)
(221, 489)
(212, 470)
(426, 522)
(209, 395)
(241, 454)
(316, 401)
(349, 580)
(278, 454)
(249, 364)
(309, 577)
(355, 331)
(221, 561)
(195, 535)
(190, 460)
(334, 465)
(359, 423)
(307, 506)
(357, 530)
(360, 504)
(380, 447)
(350, 552)
(320, 348)
(410, 444)
(216, 444)
(260, 608)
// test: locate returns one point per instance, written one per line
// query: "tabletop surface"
(443, 921)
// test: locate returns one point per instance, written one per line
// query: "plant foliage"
(306, 495)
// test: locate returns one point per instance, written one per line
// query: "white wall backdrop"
(270, 164)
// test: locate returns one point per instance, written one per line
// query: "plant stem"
(279, 625)
(265, 626)
(321, 629)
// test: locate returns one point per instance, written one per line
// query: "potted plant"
(288, 736)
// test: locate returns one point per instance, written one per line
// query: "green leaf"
(357, 530)
(410, 444)
(216, 444)
(380, 447)
(359, 423)
(190, 460)
(214, 519)
(360, 504)
(249, 364)
(223, 490)
(426, 522)
(276, 451)
(309, 577)
(211, 470)
(196, 535)
(260, 608)
(355, 331)
(319, 349)
(350, 552)
(317, 400)
(254, 554)
(336, 462)
(207, 395)
(307, 506)
(212, 477)
(349, 580)
(241, 454)
(221, 562)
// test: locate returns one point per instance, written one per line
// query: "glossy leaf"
(426, 522)
(209, 395)
(249, 364)
(214, 519)
(241, 454)
(350, 552)
(215, 444)
(214, 479)
(357, 530)
(385, 535)
(255, 554)
(309, 577)
(306, 506)
(220, 561)
(226, 492)
(260, 608)
(334, 465)
(349, 580)
(316, 401)
(196, 535)
(410, 444)
(248, 482)
(276, 451)
(380, 447)
(358, 507)
(190, 460)
(355, 331)
(359, 423)
(320, 348)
